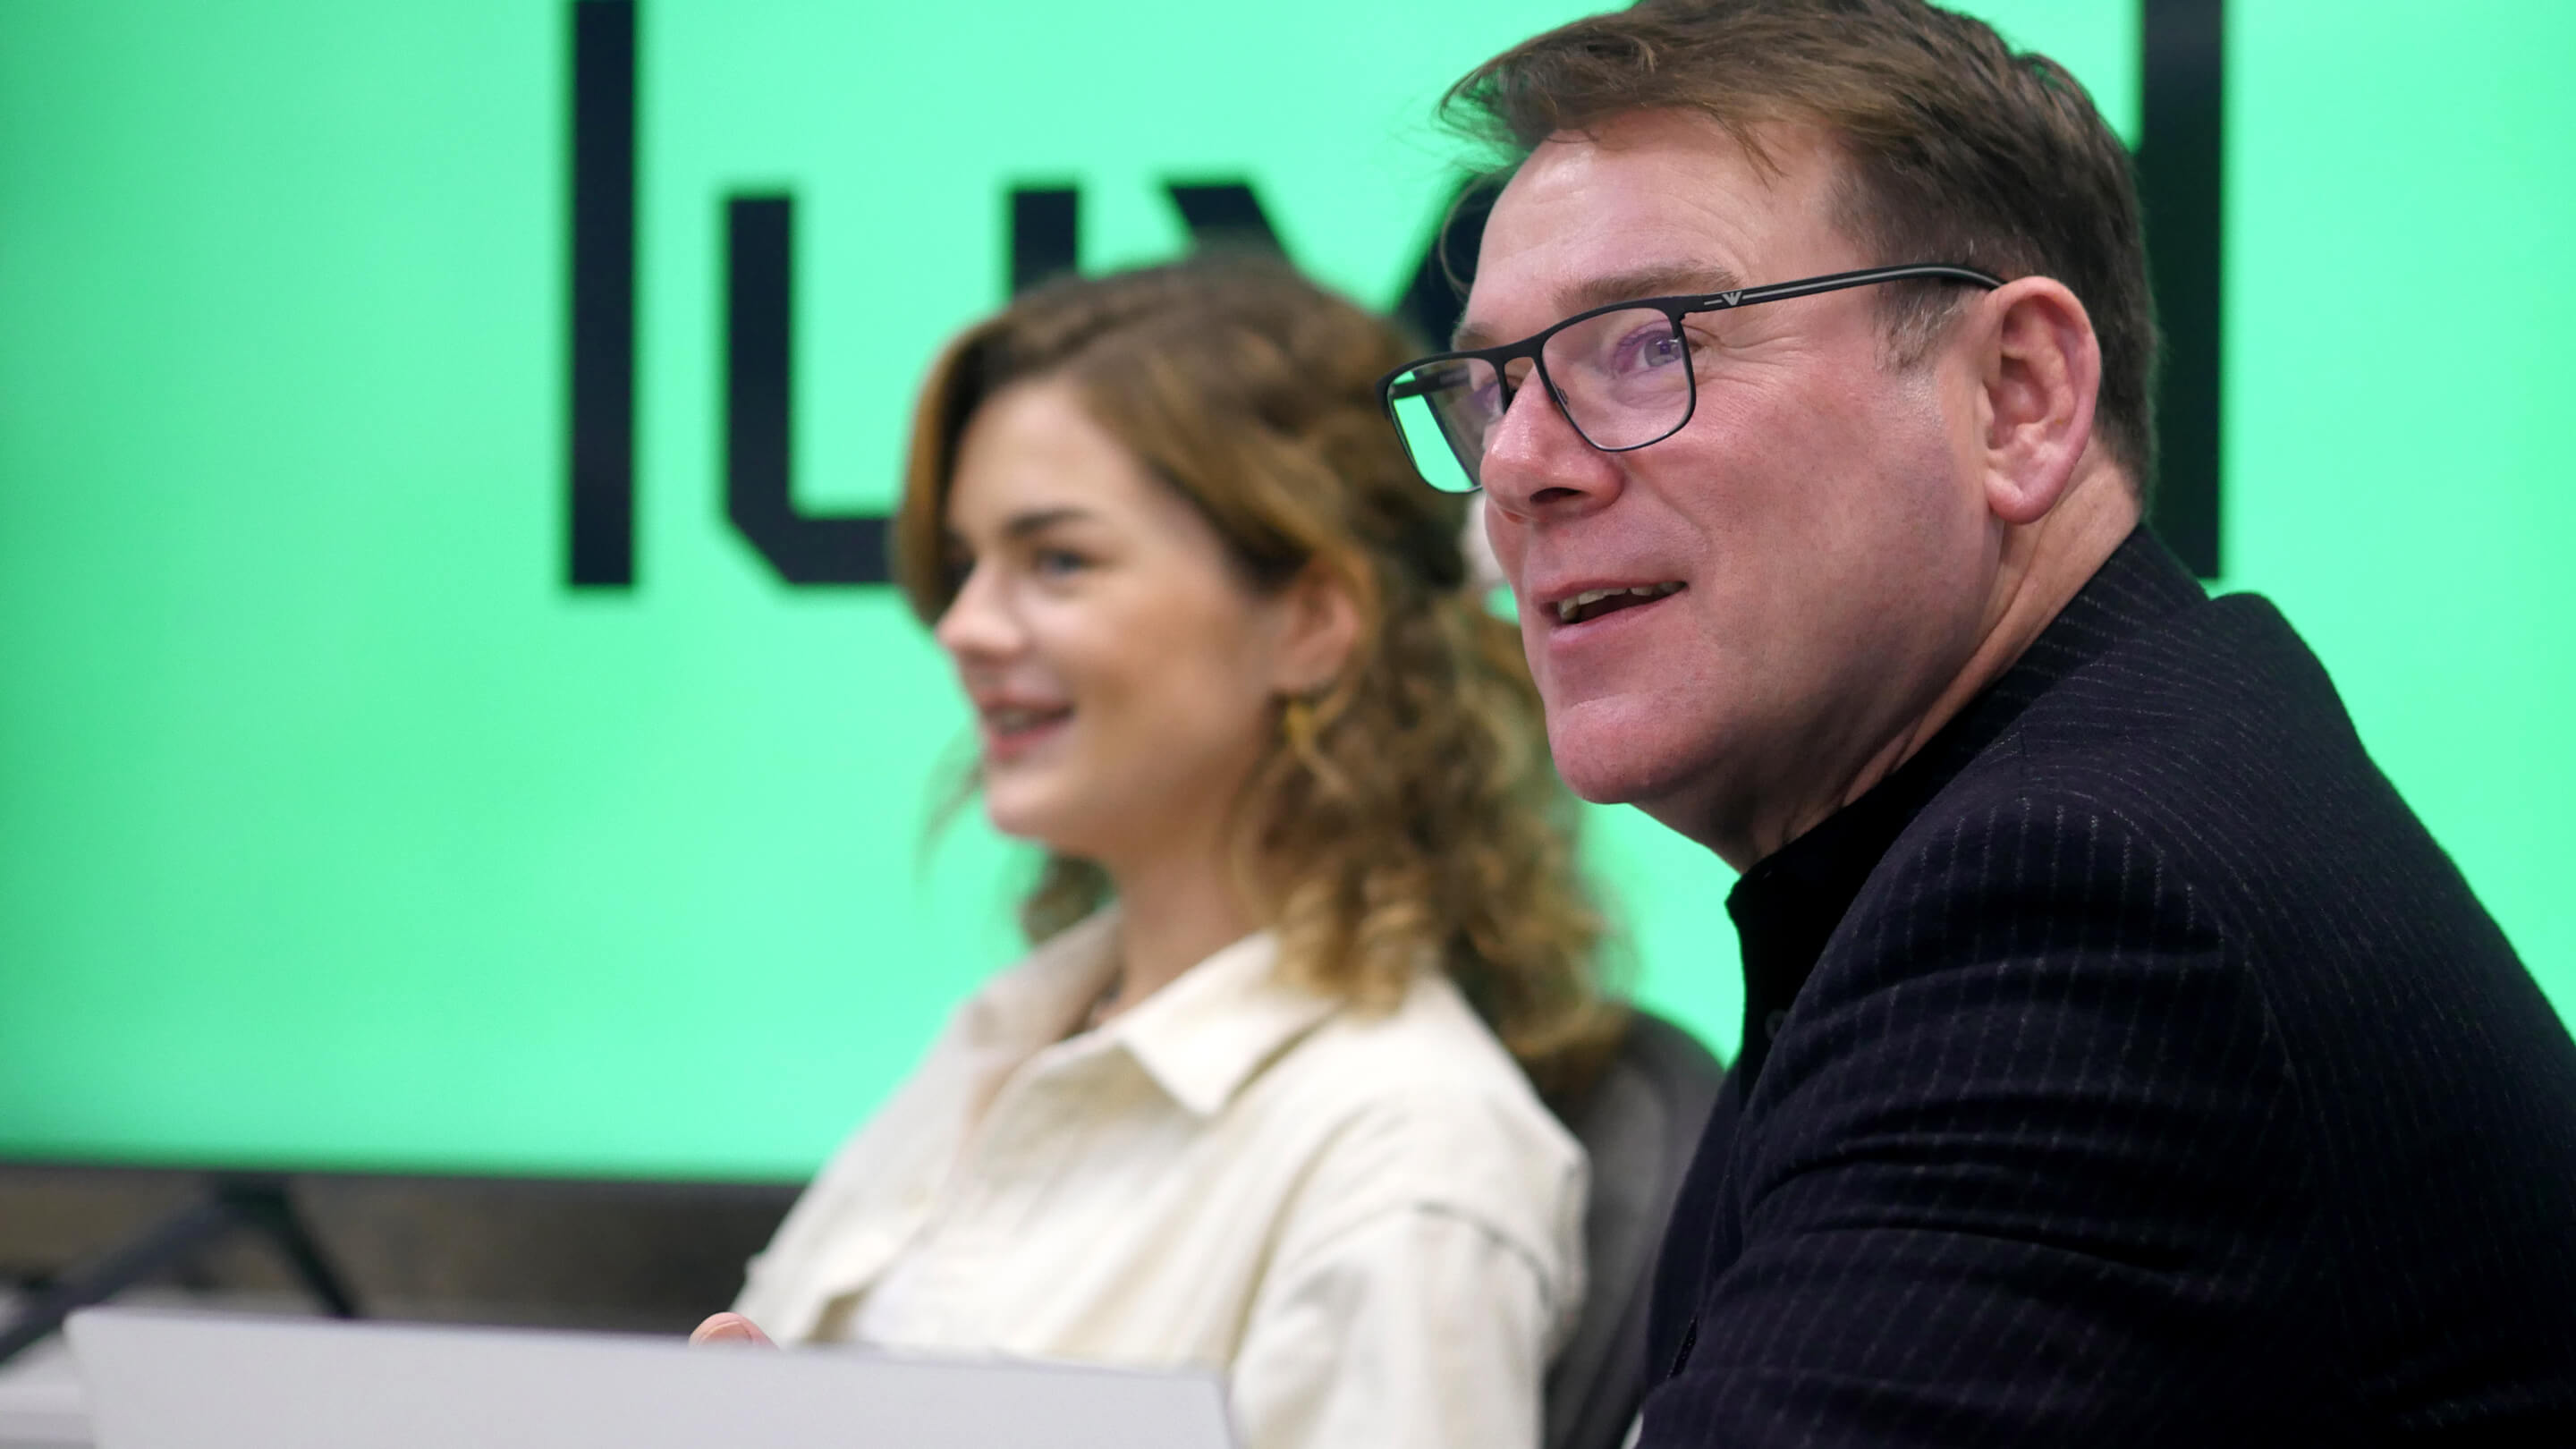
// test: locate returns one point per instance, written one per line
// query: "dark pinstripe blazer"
(2130, 1067)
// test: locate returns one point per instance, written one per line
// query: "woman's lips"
(1012, 732)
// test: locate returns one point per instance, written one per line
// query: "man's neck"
(2043, 566)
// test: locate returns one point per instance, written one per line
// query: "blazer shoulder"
(2201, 687)
(2212, 742)
(2212, 721)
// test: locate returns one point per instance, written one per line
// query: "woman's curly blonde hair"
(1409, 813)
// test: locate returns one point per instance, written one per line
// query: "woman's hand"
(730, 1328)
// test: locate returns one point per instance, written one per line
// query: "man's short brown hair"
(1960, 150)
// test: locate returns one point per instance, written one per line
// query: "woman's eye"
(1058, 562)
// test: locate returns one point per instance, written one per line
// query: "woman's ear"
(1318, 625)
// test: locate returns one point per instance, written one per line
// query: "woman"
(1308, 930)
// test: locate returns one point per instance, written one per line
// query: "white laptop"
(160, 1380)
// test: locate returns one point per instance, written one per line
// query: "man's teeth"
(1566, 609)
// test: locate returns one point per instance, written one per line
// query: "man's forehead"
(1655, 205)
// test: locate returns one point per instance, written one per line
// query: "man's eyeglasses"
(1621, 374)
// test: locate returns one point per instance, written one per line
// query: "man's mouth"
(1593, 603)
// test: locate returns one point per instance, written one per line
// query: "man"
(2123, 1063)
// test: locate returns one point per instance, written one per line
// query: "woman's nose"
(978, 623)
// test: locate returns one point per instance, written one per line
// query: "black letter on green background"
(2179, 154)
(599, 519)
(760, 289)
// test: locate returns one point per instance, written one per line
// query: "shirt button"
(1771, 1024)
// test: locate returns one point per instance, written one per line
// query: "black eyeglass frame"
(1674, 310)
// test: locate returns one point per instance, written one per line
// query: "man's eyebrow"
(1663, 280)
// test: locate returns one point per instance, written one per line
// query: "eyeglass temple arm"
(1837, 281)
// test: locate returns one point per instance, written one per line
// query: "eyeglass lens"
(1623, 377)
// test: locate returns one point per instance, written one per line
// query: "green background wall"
(336, 832)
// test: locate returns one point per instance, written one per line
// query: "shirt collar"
(1201, 1038)
(1033, 1004)
(1788, 905)
(1214, 1028)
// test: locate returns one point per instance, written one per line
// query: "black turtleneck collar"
(1788, 904)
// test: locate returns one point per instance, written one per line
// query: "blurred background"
(459, 760)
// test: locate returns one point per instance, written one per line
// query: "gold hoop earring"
(1297, 724)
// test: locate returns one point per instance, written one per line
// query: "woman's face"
(1125, 679)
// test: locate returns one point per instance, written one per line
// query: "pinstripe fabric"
(2129, 1068)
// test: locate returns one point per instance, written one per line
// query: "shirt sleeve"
(2023, 1168)
(1416, 1330)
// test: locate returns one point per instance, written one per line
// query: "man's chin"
(1606, 763)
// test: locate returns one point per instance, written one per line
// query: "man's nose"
(1537, 466)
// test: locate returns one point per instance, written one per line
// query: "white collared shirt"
(1368, 1222)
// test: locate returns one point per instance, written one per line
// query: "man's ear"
(1319, 626)
(2042, 371)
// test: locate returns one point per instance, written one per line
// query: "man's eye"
(1058, 562)
(1645, 350)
